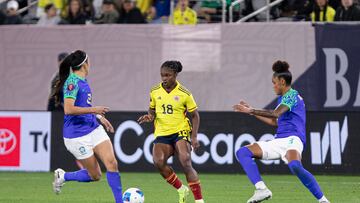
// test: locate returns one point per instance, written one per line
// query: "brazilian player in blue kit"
(289, 117)
(83, 135)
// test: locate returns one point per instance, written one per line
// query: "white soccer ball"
(133, 195)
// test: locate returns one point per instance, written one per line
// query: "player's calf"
(307, 179)
(244, 156)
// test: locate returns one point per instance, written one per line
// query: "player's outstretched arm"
(267, 116)
(147, 117)
(71, 109)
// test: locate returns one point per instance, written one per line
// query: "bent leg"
(161, 153)
(245, 156)
(105, 152)
(183, 150)
(91, 172)
(307, 179)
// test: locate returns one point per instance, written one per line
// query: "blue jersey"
(162, 8)
(78, 89)
(292, 122)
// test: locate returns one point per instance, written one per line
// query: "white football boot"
(260, 195)
(58, 180)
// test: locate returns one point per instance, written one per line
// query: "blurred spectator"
(287, 11)
(348, 11)
(52, 106)
(75, 13)
(159, 12)
(303, 9)
(130, 14)
(335, 3)
(89, 9)
(211, 10)
(59, 5)
(253, 5)
(183, 15)
(144, 5)
(23, 4)
(2, 17)
(51, 17)
(109, 13)
(97, 4)
(322, 12)
(12, 17)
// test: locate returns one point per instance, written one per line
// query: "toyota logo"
(7, 141)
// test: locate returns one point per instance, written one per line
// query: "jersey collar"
(81, 78)
(177, 85)
(290, 90)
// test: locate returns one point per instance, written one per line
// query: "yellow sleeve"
(152, 101)
(331, 14)
(193, 18)
(312, 17)
(43, 3)
(175, 18)
(190, 104)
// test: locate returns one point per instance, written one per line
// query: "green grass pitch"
(217, 188)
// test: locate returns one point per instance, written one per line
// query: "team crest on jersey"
(70, 87)
(176, 98)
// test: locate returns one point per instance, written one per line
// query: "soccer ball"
(133, 195)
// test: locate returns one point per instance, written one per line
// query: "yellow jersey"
(59, 4)
(330, 15)
(188, 17)
(143, 5)
(170, 109)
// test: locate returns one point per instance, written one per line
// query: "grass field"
(36, 188)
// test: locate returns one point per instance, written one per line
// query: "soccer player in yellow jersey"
(183, 14)
(169, 104)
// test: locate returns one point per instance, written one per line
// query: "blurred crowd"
(57, 12)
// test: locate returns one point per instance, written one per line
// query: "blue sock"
(80, 176)
(306, 178)
(114, 182)
(244, 156)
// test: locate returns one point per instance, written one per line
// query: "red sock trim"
(196, 190)
(174, 181)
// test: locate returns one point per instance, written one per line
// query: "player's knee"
(242, 153)
(112, 165)
(186, 162)
(159, 162)
(295, 167)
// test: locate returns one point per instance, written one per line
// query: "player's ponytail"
(74, 61)
(281, 70)
(175, 66)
